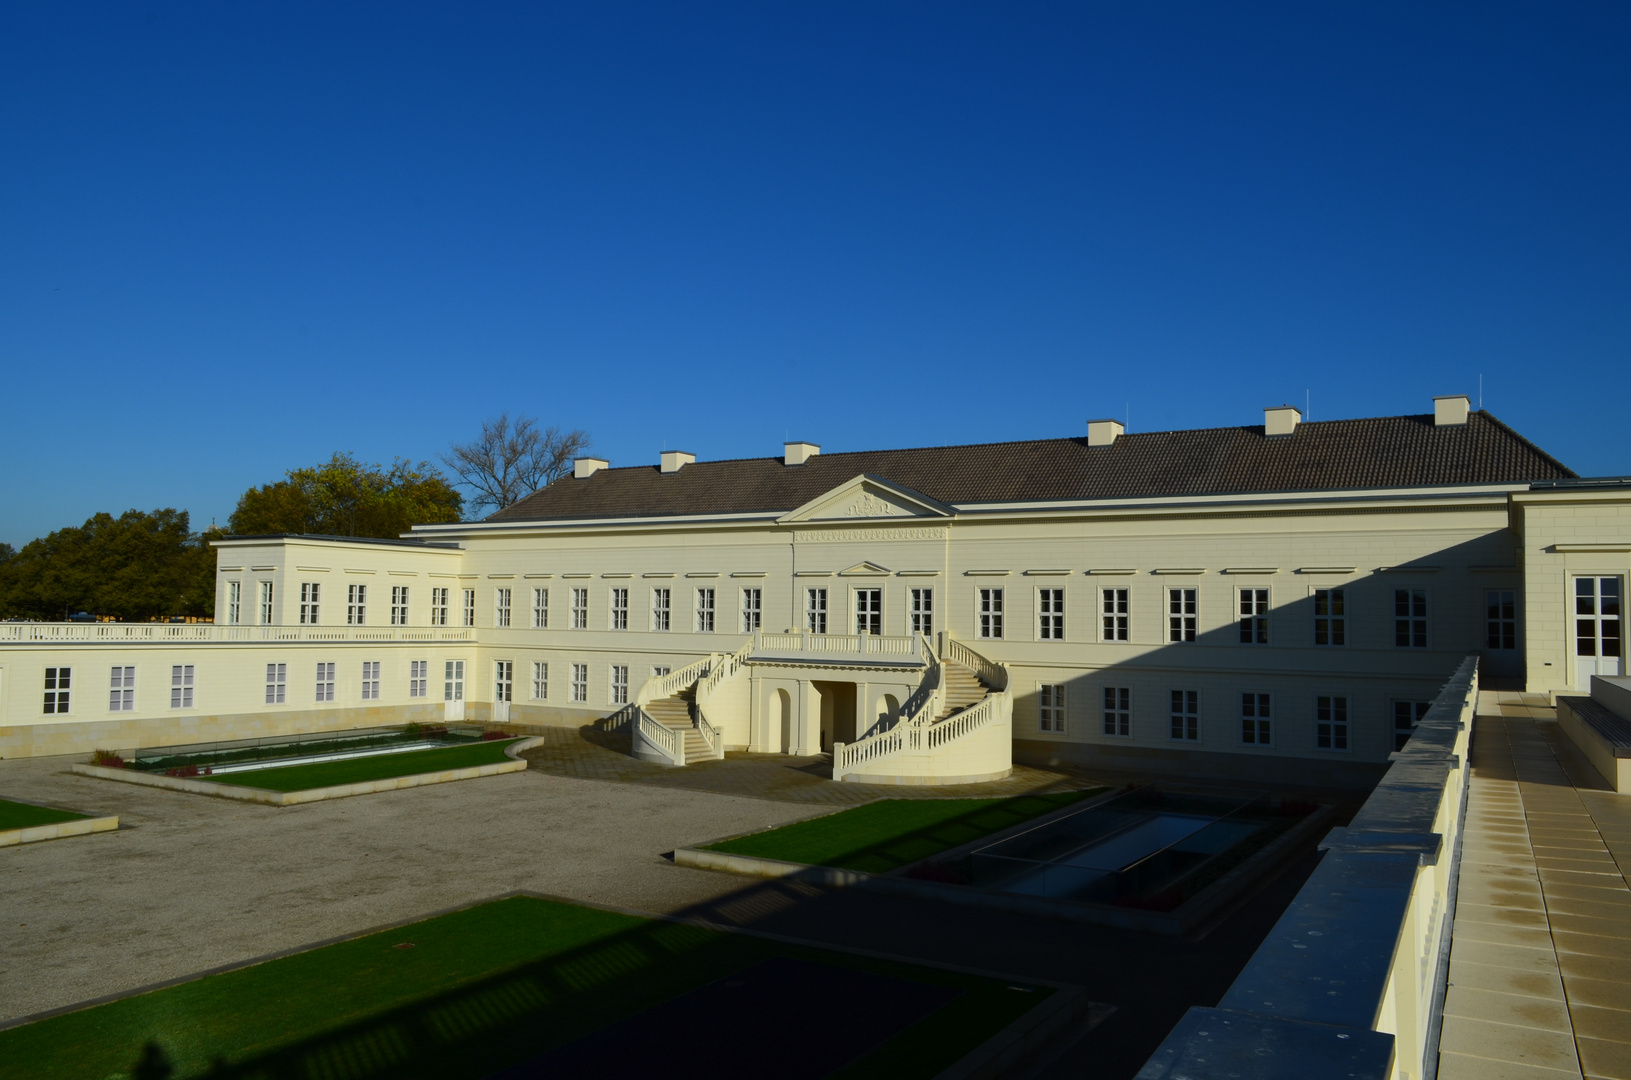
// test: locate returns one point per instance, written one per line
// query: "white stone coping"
(77, 827)
(339, 791)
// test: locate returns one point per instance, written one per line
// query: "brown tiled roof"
(1389, 451)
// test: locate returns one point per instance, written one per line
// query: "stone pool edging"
(57, 831)
(1174, 923)
(294, 798)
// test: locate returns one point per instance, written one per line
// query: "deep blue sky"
(236, 238)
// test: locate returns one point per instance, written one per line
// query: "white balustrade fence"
(214, 634)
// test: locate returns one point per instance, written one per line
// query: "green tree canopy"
(134, 566)
(347, 497)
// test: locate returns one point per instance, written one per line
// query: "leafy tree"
(509, 461)
(136, 566)
(347, 497)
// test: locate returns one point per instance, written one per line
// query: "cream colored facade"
(587, 599)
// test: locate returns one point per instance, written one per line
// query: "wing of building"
(1263, 601)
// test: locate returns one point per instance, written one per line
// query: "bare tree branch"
(512, 459)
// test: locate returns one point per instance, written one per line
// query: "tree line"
(143, 565)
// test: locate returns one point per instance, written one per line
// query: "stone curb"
(80, 827)
(295, 798)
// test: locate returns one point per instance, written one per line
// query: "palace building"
(1271, 601)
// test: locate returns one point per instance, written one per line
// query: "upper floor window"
(310, 593)
(469, 607)
(620, 609)
(660, 608)
(1254, 719)
(990, 613)
(266, 603)
(501, 607)
(399, 605)
(580, 609)
(1254, 616)
(869, 611)
(438, 606)
(815, 610)
(1330, 617)
(122, 689)
(1116, 614)
(922, 611)
(356, 605)
(1501, 619)
(1331, 722)
(1410, 618)
(1050, 614)
(1183, 612)
(234, 599)
(540, 609)
(1050, 707)
(752, 610)
(181, 686)
(705, 611)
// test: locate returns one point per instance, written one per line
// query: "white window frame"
(503, 680)
(181, 686)
(753, 609)
(325, 680)
(356, 605)
(580, 682)
(988, 612)
(1501, 620)
(418, 678)
(540, 608)
(618, 596)
(235, 590)
(453, 680)
(662, 609)
(1252, 605)
(438, 605)
(1117, 718)
(868, 618)
(1117, 614)
(1184, 715)
(277, 684)
(399, 605)
(1256, 718)
(1413, 622)
(1333, 727)
(122, 688)
(1050, 614)
(59, 682)
(580, 609)
(921, 611)
(469, 607)
(1331, 617)
(540, 680)
(501, 607)
(370, 680)
(1050, 708)
(705, 609)
(815, 609)
(266, 603)
(1183, 615)
(311, 595)
(620, 684)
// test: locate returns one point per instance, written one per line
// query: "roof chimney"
(1452, 409)
(797, 453)
(1104, 432)
(1281, 420)
(675, 460)
(585, 467)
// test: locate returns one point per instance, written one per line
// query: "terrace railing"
(857, 645)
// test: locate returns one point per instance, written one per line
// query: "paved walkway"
(1540, 962)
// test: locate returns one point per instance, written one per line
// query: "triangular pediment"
(868, 498)
(865, 569)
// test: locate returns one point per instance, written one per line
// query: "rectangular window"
(753, 610)
(1118, 710)
(580, 609)
(503, 679)
(325, 682)
(1050, 614)
(1330, 617)
(1182, 614)
(181, 686)
(1410, 618)
(234, 598)
(1254, 616)
(540, 680)
(277, 682)
(660, 608)
(356, 605)
(370, 680)
(57, 689)
(620, 609)
(266, 603)
(869, 611)
(399, 605)
(705, 611)
(1050, 707)
(438, 606)
(469, 607)
(1254, 719)
(501, 607)
(660, 671)
(1186, 713)
(620, 684)
(990, 613)
(418, 678)
(122, 690)
(815, 610)
(1406, 715)
(1597, 617)
(1116, 614)
(310, 592)
(540, 609)
(1331, 722)
(580, 682)
(1501, 619)
(453, 681)
(923, 612)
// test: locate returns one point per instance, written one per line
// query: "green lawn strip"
(16, 815)
(482, 989)
(362, 769)
(892, 833)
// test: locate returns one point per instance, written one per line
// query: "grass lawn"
(892, 833)
(481, 989)
(16, 815)
(359, 770)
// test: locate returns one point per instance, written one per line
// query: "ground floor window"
(1406, 715)
(1118, 710)
(122, 689)
(453, 681)
(181, 686)
(418, 677)
(540, 680)
(580, 682)
(370, 680)
(325, 681)
(503, 680)
(1501, 619)
(1186, 715)
(620, 684)
(57, 689)
(277, 681)
(1331, 722)
(1050, 707)
(1254, 719)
